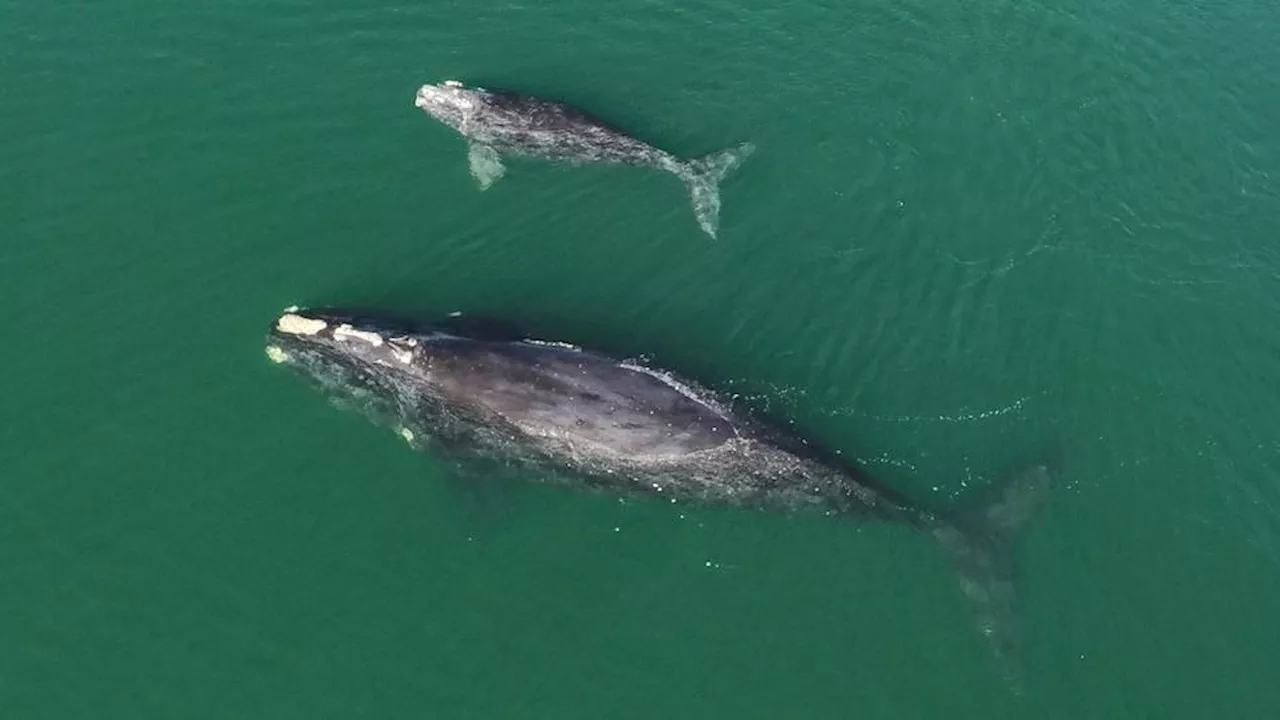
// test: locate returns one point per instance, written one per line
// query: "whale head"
(371, 364)
(449, 102)
(346, 336)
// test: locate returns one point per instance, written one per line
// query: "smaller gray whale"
(558, 413)
(506, 123)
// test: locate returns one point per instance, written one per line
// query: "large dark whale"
(561, 413)
(506, 123)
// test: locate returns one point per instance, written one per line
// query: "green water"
(971, 231)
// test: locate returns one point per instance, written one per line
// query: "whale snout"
(447, 97)
(424, 96)
(344, 337)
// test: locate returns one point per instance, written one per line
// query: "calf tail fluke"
(703, 177)
(980, 541)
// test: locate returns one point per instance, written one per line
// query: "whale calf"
(497, 123)
(558, 412)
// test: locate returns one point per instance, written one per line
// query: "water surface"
(969, 232)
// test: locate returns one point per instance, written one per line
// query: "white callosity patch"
(444, 95)
(407, 434)
(344, 331)
(276, 354)
(402, 347)
(403, 354)
(298, 325)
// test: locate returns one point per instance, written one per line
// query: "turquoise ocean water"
(969, 232)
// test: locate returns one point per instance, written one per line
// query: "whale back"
(518, 124)
(588, 403)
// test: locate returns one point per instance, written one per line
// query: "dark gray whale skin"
(584, 419)
(633, 430)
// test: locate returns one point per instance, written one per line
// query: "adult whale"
(498, 123)
(558, 412)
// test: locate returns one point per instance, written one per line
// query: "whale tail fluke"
(703, 176)
(980, 542)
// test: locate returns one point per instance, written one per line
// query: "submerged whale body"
(506, 123)
(571, 415)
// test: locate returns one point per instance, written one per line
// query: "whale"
(480, 391)
(499, 123)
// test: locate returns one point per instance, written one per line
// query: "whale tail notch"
(703, 175)
(980, 541)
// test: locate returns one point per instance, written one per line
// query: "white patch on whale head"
(299, 325)
(344, 331)
(424, 96)
(441, 96)
(406, 433)
(276, 355)
(452, 83)
(400, 352)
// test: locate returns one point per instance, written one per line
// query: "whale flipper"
(703, 177)
(486, 165)
(980, 541)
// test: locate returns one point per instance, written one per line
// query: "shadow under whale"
(565, 414)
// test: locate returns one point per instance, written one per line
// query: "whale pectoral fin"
(484, 504)
(484, 496)
(486, 165)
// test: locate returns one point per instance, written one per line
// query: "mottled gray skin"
(584, 419)
(517, 124)
(506, 123)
